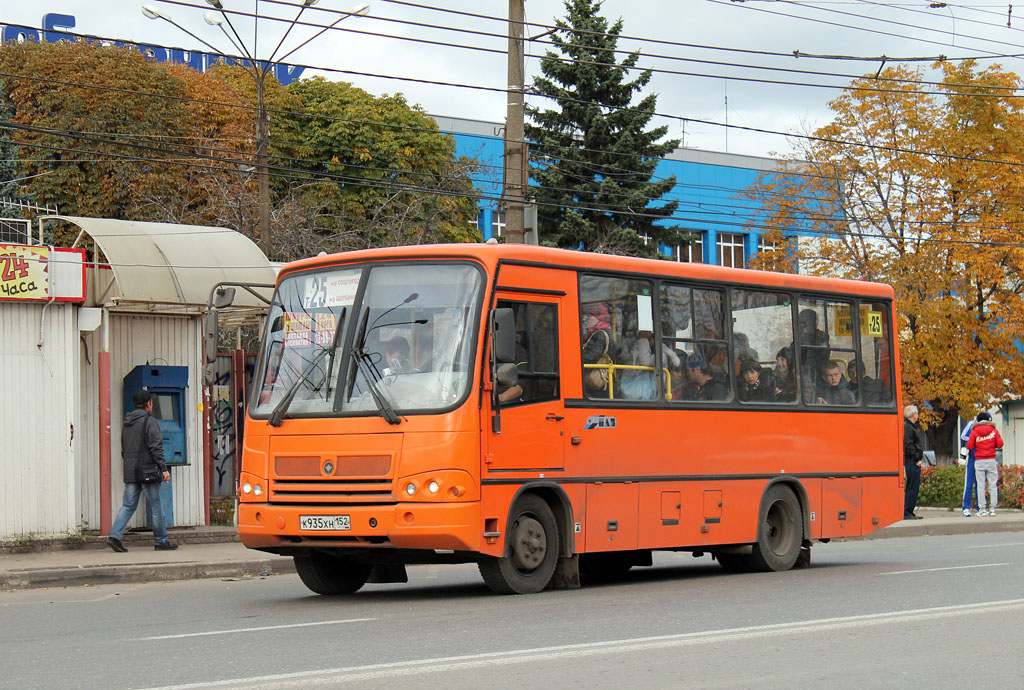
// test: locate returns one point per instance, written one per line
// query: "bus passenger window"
(871, 375)
(762, 342)
(693, 327)
(533, 377)
(832, 323)
(613, 313)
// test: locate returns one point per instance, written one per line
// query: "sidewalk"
(203, 552)
(226, 557)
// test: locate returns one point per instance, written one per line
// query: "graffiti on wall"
(222, 430)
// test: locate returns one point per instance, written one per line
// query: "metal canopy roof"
(164, 263)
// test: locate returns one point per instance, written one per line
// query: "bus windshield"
(396, 336)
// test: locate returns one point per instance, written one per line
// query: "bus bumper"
(446, 526)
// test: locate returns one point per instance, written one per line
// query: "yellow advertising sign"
(870, 321)
(23, 272)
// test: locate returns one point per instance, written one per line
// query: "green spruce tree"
(592, 155)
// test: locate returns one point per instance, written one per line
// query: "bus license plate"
(317, 523)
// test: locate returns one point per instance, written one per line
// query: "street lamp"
(259, 73)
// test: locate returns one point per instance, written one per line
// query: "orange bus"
(551, 414)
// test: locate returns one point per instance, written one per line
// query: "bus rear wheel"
(325, 574)
(779, 533)
(531, 552)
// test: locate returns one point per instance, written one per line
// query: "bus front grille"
(313, 491)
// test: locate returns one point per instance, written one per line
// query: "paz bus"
(552, 415)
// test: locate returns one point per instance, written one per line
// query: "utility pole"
(515, 134)
(263, 229)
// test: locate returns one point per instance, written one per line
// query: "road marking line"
(265, 627)
(333, 676)
(993, 546)
(954, 567)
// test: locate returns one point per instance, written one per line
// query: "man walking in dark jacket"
(142, 455)
(913, 453)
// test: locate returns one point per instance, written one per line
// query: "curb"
(944, 529)
(153, 572)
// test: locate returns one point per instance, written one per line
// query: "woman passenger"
(784, 376)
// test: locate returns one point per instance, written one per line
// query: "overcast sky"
(708, 40)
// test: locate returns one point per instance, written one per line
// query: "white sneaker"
(991, 513)
(967, 513)
(982, 513)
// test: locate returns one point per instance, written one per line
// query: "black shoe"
(165, 547)
(116, 545)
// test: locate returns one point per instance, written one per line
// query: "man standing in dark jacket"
(913, 453)
(142, 455)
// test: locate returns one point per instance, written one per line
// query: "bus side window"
(535, 371)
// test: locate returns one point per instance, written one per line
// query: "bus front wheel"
(780, 532)
(531, 552)
(325, 574)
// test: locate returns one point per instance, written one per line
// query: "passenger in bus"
(678, 377)
(743, 351)
(813, 352)
(641, 384)
(597, 348)
(717, 359)
(753, 385)
(872, 391)
(704, 385)
(834, 390)
(396, 356)
(507, 384)
(784, 376)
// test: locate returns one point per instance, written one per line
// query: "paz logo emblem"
(328, 467)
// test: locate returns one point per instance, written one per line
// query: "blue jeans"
(155, 512)
(970, 483)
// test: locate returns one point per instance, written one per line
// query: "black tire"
(734, 562)
(780, 531)
(325, 574)
(531, 551)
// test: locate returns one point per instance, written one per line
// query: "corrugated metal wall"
(137, 340)
(38, 406)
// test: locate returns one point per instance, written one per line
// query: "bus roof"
(490, 254)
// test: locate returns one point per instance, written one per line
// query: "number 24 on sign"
(14, 267)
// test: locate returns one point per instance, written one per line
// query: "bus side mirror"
(210, 337)
(223, 297)
(209, 374)
(503, 335)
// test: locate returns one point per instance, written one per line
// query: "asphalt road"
(935, 612)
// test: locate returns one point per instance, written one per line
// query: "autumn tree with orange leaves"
(921, 185)
(102, 131)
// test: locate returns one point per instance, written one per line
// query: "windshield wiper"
(371, 375)
(277, 415)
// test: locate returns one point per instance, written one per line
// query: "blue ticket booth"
(168, 385)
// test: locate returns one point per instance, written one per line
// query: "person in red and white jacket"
(984, 441)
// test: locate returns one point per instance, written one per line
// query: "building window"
(730, 249)
(765, 245)
(498, 223)
(692, 253)
(474, 222)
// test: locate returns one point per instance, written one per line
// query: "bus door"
(532, 426)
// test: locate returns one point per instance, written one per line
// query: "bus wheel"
(532, 552)
(779, 533)
(325, 574)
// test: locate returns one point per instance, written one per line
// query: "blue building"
(709, 188)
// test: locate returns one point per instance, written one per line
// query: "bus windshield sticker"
(600, 421)
(331, 289)
(298, 329)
